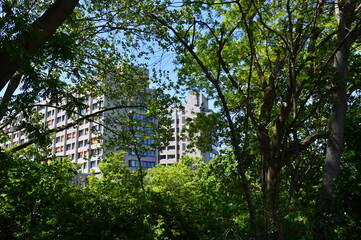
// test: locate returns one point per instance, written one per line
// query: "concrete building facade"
(82, 142)
(178, 146)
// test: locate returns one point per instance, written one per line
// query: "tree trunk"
(326, 209)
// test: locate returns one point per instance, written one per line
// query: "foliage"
(198, 201)
(185, 200)
(145, 125)
(72, 62)
(37, 199)
(204, 131)
(266, 64)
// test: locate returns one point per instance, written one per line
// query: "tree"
(196, 201)
(269, 67)
(47, 48)
(37, 200)
(348, 31)
(61, 52)
(28, 39)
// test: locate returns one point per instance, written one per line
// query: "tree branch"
(69, 125)
(13, 85)
(32, 39)
(305, 143)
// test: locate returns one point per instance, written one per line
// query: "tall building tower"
(196, 103)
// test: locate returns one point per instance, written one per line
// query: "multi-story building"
(82, 142)
(178, 145)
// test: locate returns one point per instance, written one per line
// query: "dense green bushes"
(188, 200)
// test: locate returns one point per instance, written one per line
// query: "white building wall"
(83, 145)
(177, 147)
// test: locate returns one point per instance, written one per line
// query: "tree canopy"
(284, 77)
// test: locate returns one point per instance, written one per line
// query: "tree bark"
(326, 209)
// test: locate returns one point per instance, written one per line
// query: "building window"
(148, 141)
(69, 136)
(171, 156)
(59, 149)
(80, 144)
(93, 164)
(58, 119)
(81, 133)
(171, 147)
(57, 139)
(147, 164)
(133, 163)
(95, 106)
(68, 147)
(50, 122)
(149, 153)
(162, 157)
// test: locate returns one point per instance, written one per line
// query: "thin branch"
(188, 47)
(13, 85)
(328, 61)
(69, 125)
(267, 27)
